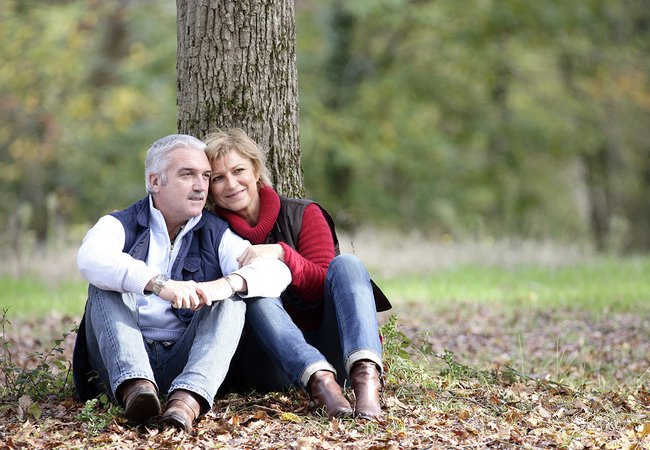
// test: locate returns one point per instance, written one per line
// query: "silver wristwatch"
(159, 281)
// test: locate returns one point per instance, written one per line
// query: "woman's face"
(233, 186)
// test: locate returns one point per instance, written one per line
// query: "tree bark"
(236, 67)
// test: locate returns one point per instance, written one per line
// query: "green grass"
(614, 284)
(25, 297)
(602, 284)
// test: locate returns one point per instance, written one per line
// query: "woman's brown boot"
(366, 385)
(326, 392)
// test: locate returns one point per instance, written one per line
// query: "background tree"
(236, 67)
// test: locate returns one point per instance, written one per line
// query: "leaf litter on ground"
(464, 376)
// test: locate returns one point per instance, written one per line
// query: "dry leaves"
(583, 386)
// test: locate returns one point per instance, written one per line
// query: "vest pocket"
(193, 269)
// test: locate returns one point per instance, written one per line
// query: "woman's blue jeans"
(198, 362)
(275, 353)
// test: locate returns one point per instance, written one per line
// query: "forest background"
(502, 141)
(459, 120)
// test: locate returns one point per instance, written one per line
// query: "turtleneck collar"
(269, 210)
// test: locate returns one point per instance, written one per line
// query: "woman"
(326, 323)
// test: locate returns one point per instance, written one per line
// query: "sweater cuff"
(291, 257)
(265, 278)
(137, 280)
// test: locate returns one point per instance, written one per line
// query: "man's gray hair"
(157, 160)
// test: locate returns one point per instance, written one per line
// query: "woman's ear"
(257, 171)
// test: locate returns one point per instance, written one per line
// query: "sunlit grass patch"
(620, 284)
(34, 298)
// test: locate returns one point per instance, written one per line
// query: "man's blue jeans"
(348, 333)
(198, 362)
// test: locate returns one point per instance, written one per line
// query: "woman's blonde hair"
(221, 142)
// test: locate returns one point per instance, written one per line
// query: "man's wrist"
(159, 281)
(229, 281)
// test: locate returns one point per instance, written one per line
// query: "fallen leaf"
(643, 430)
(394, 401)
(290, 417)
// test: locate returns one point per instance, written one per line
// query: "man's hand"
(214, 291)
(259, 251)
(182, 294)
(221, 289)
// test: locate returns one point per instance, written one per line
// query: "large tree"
(236, 67)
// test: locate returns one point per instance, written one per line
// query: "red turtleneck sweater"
(309, 262)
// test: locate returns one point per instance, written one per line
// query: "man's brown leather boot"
(140, 400)
(183, 407)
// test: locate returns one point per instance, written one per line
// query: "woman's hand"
(255, 252)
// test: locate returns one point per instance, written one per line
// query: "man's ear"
(154, 181)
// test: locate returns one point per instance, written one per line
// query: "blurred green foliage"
(480, 117)
(462, 117)
(85, 87)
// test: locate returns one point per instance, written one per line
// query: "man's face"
(183, 195)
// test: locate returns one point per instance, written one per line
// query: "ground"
(463, 376)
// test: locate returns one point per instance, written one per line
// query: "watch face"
(159, 282)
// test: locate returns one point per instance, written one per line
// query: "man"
(161, 317)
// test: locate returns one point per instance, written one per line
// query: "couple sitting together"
(186, 302)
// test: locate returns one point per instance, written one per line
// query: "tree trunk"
(236, 67)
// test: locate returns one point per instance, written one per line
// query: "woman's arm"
(308, 264)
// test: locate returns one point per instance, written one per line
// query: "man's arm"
(266, 277)
(181, 294)
(102, 262)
